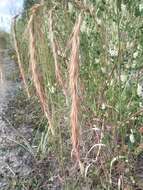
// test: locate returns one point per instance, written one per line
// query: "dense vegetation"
(84, 60)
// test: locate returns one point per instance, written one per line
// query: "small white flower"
(133, 118)
(103, 69)
(123, 77)
(141, 7)
(127, 161)
(132, 138)
(128, 45)
(111, 82)
(103, 106)
(139, 47)
(135, 54)
(140, 104)
(97, 60)
(140, 90)
(52, 89)
(98, 21)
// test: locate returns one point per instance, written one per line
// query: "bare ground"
(14, 145)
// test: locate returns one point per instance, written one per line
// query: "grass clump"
(87, 76)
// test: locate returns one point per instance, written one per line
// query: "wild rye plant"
(91, 73)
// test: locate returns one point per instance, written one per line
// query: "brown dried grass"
(18, 55)
(36, 78)
(73, 82)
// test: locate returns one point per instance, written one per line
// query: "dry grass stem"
(73, 80)
(36, 78)
(18, 56)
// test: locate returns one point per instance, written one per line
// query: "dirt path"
(13, 154)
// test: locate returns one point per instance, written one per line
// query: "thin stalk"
(18, 56)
